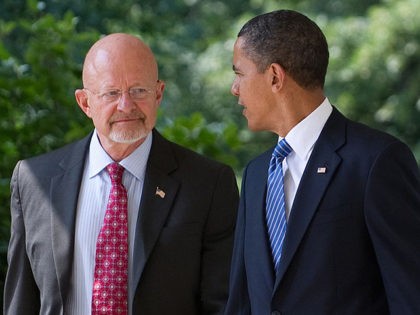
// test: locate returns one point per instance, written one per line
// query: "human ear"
(277, 76)
(82, 101)
(159, 91)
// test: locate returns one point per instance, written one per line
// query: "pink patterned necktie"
(111, 261)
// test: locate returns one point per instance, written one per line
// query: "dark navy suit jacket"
(353, 239)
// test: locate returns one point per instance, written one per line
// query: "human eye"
(236, 70)
(238, 75)
(111, 95)
(138, 92)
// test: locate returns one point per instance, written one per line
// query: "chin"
(252, 127)
(128, 137)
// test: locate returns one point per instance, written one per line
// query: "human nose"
(125, 103)
(234, 89)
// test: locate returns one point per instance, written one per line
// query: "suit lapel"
(155, 206)
(64, 191)
(312, 186)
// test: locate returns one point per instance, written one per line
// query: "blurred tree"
(36, 96)
(375, 68)
(219, 140)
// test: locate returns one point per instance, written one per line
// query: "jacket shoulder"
(66, 155)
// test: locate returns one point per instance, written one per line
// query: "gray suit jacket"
(182, 242)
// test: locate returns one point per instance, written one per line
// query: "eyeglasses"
(136, 93)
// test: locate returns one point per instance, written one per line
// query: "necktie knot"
(115, 171)
(282, 150)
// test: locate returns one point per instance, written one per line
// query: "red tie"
(111, 262)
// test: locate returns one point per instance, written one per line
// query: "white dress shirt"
(91, 207)
(302, 139)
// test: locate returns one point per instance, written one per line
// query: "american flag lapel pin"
(321, 170)
(159, 192)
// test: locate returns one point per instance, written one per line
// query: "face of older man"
(121, 92)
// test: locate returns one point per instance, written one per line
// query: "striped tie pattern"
(111, 261)
(275, 204)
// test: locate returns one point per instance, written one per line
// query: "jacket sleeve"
(217, 243)
(392, 205)
(238, 301)
(21, 294)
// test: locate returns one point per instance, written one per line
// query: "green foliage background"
(373, 75)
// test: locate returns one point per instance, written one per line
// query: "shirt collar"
(303, 136)
(135, 163)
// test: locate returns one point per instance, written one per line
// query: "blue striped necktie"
(275, 211)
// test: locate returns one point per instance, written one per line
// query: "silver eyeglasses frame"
(136, 93)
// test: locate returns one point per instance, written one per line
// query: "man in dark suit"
(181, 206)
(350, 194)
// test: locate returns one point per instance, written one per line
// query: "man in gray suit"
(181, 207)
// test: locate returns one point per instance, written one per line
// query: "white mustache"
(137, 115)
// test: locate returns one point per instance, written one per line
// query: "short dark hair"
(291, 40)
